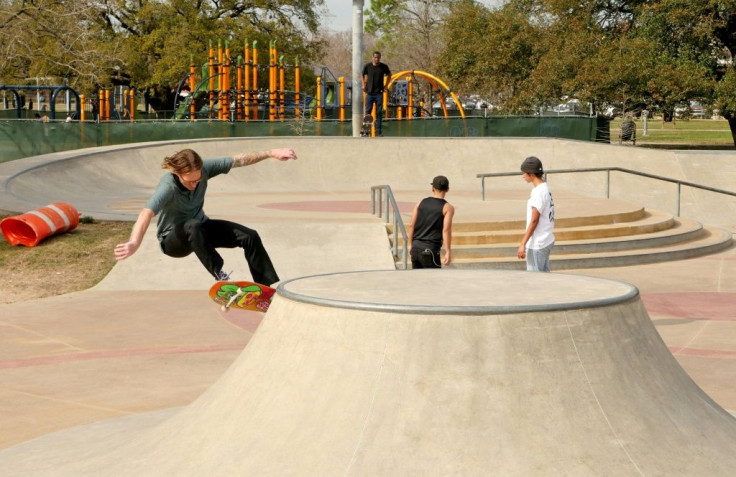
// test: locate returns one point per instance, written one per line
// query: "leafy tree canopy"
(145, 43)
(650, 53)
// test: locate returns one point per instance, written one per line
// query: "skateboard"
(365, 130)
(242, 295)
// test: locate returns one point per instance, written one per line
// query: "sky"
(341, 13)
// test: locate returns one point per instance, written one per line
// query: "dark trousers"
(425, 258)
(377, 99)
(203, 238)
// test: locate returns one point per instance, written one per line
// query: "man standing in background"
(373, 82)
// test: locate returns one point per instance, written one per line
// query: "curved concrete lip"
(471, 292)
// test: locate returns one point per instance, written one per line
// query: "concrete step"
(681, 230)
(621, 215)
(570, 229)
(710, 240)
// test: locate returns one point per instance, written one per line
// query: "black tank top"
(429, 224)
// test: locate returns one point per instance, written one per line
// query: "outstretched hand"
(125, 250)
(283, 154)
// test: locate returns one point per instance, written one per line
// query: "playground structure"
(228, 88)
(19, 100)
(409, 101)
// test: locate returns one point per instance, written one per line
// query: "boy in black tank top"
(431, 227)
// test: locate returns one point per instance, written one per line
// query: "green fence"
(21, 138)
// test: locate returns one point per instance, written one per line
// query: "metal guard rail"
(398, 224)
(482, 177)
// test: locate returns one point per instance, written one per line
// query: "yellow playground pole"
(385, 97)
(131, 107)
(82, 111)
(373, 124)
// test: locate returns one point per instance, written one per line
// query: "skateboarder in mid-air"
(184, 228)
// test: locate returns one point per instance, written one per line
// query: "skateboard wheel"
(224, 309)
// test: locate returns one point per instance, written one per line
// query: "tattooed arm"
(250, 158)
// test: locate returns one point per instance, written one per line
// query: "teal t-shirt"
(174, 204)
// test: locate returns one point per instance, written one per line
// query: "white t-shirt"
(541, 199)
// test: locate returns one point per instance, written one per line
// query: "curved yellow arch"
(435, 82)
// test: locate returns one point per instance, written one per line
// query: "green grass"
(60, 264)
(693, 131)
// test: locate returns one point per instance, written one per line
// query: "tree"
(408, 31)
(47, 38)
(491, 52)
(653, 53)
(698, 36)
(146, 43)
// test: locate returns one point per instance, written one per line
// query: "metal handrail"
(607, 170)
(398, 224)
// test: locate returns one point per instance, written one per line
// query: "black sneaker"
(221, 276)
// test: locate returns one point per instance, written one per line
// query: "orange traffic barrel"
(30, 228)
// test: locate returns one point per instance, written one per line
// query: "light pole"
(357, 85)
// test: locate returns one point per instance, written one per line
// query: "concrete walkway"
(147, 338)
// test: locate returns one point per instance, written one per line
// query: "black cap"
(441, 183)
(532, 165)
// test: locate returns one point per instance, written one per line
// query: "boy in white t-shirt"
(540, 219)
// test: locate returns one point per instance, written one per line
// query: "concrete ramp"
(445, 372)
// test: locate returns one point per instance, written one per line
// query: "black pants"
(203, 238)
(422, 257)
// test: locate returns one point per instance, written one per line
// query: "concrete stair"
(613, 238)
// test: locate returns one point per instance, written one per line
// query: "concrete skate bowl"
(426, 373)
(113, 181)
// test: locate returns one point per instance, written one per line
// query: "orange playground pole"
(410, 111)
(107, 105)
(272, 80)
(255, 79)
(82, 111)
(239, 88)
(225, 92)
(297, 84)
(246, 74)
(282, 87)
(102, 106)
(212, 79)
(341, 83)
(131, 108)
(192, 86)
(219, 80)
(319, 98)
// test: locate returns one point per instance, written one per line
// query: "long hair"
(182, 162)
